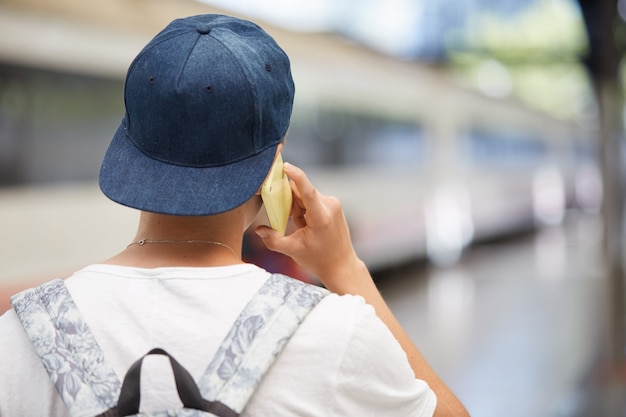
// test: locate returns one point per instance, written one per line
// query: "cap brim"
(131, 178)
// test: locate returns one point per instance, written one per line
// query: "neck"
(183, 241)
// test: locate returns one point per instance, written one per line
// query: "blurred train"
(427, 186)
(423, 167)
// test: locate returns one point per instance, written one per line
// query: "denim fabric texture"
(207, 101)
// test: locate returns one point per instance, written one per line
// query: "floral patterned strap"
(255, 340)
(89, 386)
(67, 348)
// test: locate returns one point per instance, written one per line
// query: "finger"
(308, 194)
(294, 190)
(272, 240)
(297, 207)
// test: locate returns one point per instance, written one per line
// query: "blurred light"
(297, 15)
(493, 79)
(449, 226)
(390, 26)
(451, 305)
(548, 196)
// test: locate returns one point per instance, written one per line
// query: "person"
(208, 103)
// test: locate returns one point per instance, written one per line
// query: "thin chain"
(210, 242)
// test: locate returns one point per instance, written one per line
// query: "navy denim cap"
(208, 100)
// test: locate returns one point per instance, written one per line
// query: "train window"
(502, 149)
(54, 127)
(340, 138)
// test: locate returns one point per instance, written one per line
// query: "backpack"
(89, 387)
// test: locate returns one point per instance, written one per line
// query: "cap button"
(203, 29)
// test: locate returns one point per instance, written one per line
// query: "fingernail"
(262, 233)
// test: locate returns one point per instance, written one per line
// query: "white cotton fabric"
(342, 361)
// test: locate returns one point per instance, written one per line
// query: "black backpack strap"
(67, 348)
(259, 334)
(130, 396)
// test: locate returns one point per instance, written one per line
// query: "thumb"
(272, 240)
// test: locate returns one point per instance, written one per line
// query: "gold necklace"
(210, 242)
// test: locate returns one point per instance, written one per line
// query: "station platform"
(517, 328)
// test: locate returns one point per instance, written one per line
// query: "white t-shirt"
(342, 360)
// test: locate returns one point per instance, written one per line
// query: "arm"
(321, 243)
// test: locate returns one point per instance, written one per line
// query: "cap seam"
(254, 96)
(182, 68)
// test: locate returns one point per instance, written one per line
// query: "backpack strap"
(259, 334)
(67, 348)
(89, 386)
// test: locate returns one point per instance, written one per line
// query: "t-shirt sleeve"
(375, 378)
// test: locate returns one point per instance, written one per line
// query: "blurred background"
(477, 147)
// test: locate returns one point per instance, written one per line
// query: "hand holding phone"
(276, 196)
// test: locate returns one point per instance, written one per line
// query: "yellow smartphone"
(276, 196)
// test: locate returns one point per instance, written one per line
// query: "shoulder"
(11, 333)
(342, 353)
(25, 388)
